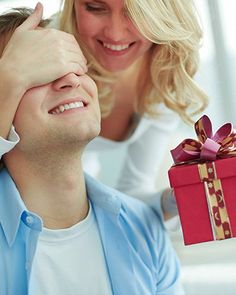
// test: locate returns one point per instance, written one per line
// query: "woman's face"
(109, 34)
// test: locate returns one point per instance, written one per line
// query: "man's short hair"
(12, 19)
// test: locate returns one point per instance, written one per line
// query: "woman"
(143, 56)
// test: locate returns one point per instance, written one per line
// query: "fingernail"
(37, 6)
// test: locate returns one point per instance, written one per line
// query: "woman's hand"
(168, 204)
(35, 56)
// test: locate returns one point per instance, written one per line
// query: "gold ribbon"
(220, 223)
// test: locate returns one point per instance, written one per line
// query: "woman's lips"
(116, 49)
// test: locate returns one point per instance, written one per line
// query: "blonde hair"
(173, 27)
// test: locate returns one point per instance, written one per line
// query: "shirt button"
(29, 220)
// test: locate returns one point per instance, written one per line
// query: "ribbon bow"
(208, 147)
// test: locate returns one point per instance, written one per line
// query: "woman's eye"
(95, 8)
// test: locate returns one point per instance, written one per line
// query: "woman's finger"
(33, 20)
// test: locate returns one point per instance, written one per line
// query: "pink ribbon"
(208, 147)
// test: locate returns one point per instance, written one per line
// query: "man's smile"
(63, 107)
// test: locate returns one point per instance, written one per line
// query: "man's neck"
(56, 193)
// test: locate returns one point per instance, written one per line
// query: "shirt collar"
(12, 208)
(102, 195)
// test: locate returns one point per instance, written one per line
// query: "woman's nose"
(68, 81)
(116, 29)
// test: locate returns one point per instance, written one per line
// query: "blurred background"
(208, 268)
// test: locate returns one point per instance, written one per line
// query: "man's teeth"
(65, 107)
(115, 47)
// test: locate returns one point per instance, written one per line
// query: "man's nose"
(116, 29)
(68, 81)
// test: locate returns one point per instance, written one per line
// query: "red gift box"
(204, 185)
(192, 202)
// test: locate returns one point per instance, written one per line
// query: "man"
(62, 232)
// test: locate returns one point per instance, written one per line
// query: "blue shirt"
(138, 254)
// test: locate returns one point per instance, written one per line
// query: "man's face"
(62, 114)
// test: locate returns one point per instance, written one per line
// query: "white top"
(71, 261)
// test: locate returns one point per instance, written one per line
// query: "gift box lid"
(187, 174)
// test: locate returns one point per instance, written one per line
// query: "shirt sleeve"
(8, 144)
(143, 160)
